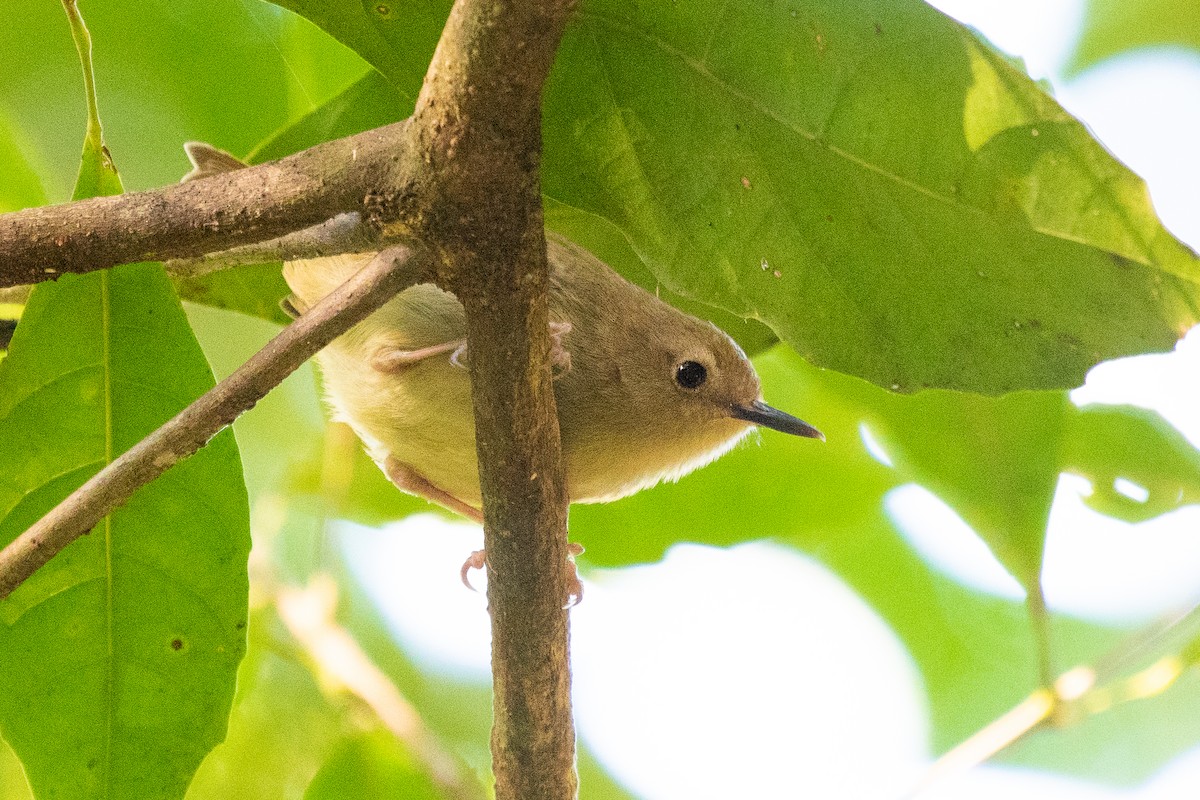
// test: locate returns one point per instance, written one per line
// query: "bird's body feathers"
(625, 423)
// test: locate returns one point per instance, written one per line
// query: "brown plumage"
(645, 393)
(628, 416)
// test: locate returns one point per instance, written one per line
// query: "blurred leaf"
(21, 187)
(255, 289)
(996, 461)
(282, 727)
(1109, 445)
(348, 484)
(226, 71)
(285, 427)
(1112, 27)
(290, 452)
(369, 766)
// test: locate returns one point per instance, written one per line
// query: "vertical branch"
(478, 122)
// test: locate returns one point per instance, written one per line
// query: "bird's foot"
(478, 560)
(560, 357)
(391, 360)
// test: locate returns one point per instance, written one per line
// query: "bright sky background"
(645, 674)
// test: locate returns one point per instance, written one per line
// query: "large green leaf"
(885, 191)
(931, 221)
(1112, 27)
(119, 656)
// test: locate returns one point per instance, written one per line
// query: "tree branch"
(462, 175)
(205, 216)
(345, 233)
(393, 271)
(478, 122)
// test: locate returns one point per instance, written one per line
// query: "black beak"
(759, 413)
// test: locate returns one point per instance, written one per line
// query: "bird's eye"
(690, 375)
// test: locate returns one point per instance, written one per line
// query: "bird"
(645, 392)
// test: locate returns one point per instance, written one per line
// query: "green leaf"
(21, 187)
(922, 222)
(119, 656)
(225, 71)
(371, 102)
(398, 39)
(1112, 27)
(255, 289)
(1111, 445)
(372, 765)
(606, 241)
(996, 462)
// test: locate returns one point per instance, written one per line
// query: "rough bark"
(478, 121)
(207, 216)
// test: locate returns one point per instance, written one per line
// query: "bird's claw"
(560, 357)
(478, 560)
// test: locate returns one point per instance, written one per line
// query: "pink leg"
(409, 480)
(387, 360)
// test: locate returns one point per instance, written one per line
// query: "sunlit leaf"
(921, 222)
(1112, 27)
(918, 220)
(227, 71)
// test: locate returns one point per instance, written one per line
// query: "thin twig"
(310, 616)
(391, 272)
(345, 233)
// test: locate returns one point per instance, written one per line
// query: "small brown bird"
(645, 392)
